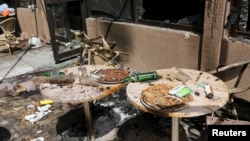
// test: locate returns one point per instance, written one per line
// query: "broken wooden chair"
(99, 51)
(7, 38)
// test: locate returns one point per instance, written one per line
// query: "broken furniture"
(231, 74)
(69, 38)
(201, 105)
(7, 38)
(79, 92)
(98, 51)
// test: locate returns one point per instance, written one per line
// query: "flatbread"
(112, 75)
(157, 96)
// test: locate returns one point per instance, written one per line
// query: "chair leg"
(233, 108)
(234, 112)
(10, 49)
(212, 114)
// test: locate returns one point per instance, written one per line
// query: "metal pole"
(91, 134)
(175, 129)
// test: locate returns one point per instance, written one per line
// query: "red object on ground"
(6, 13)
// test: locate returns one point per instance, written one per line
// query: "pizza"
(112, 75)
(157, 96)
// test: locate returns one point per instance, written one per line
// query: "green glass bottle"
(139, 77)
(52, 73)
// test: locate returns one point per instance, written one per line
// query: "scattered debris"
(38, 139)
(34, 42)
(2, 102)
(46, 101)
(99, 51)
(42, 111)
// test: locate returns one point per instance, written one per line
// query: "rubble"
(114, 118)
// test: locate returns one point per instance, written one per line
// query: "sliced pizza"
(157, 96)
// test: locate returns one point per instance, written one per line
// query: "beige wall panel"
(34, 23)
(234, 51)
(42, 24)
(149, 47)
(26, 21)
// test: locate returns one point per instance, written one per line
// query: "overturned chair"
(99, 51)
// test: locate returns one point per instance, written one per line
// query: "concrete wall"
(153, 48)
(33, 23)
(233, 51)
(149, 47)
(213, 27)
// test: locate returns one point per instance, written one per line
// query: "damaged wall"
(149, 47)
(155, 48)
(232, 52)
(33, 23)
(212, 33)
(152, 47)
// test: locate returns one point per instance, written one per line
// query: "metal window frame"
(136, 20)
(60, 56)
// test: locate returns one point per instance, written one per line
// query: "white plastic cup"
(34, 41)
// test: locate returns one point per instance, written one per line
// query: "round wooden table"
(201, 105)
(80, 93)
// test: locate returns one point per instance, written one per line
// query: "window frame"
(234, 31)
(137, 20)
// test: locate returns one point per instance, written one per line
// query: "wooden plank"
(213, 33)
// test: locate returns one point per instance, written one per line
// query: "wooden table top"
(76, 92)
(199, 106)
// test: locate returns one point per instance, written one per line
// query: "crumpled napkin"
(42, 111)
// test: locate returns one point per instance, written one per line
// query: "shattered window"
(238, 19)
(178, 14)
(243, 19)
(175, 11)
(116, 9)
(157, 13)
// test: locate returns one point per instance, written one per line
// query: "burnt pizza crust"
(158, 96)
(113, 75)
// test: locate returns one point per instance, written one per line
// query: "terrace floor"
(114, 118)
